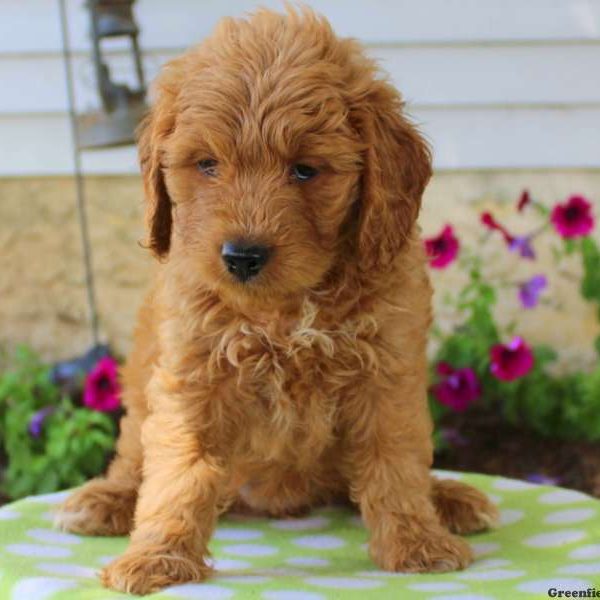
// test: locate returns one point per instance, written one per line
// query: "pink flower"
(459, 388)
(524, 200)
(511, 361)
(101, 391)
(443, 249)
(574, 218)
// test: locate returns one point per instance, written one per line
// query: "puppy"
(279, 360)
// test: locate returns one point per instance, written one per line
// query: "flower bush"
(48, 440)
(481, 366)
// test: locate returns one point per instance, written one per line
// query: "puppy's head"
(274, 154)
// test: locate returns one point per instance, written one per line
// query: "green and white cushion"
(548, 538)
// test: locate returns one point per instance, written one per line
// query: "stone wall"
(42, 291)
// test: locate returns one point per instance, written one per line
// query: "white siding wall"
(494, 83)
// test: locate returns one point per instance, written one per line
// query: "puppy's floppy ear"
(397, 167)
(152, 135)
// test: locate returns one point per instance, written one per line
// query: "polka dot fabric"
(548, 537)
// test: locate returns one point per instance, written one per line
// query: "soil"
(483, 443)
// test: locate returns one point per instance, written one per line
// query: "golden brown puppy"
(279, 360)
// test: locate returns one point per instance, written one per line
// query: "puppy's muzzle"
(244, 260)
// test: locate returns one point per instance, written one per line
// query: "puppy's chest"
(299, 376)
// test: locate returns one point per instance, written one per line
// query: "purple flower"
(101, 391)
(523, 246)
(511, 361)
(542, 479)
(453, 437)
(529, 292)
(458, 389)
(37, 421)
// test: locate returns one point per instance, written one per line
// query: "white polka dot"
(228, 535)
(307, 561)
(206, 591)
(54, 498)
(461, 597)
(385, 574)
(570, 515)
(319, 542)
(512, 485)
(442, 586)
(495, 499)
(554, 538)
(586, 552)
(40, 588)
(249, 579)
(229, 564)
(491, 574)
(104, 560)
(581, 569)
(448, 474)
(541, 586)
(301, 524)
(38, 551)
(563, 497)
(67, 569)
(483, 548)
(347, 583)
(290, 595)
(490, 563)
(8, 515)
(53, 537)
(510, 516)
(48, 516)
(250, 550)
(281, 572)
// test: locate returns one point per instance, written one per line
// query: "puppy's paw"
(145, 570)
(432, 552)
(462, 508)
(100, 507)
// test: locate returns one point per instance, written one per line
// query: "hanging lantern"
(122, 107)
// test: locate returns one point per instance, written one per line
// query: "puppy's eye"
(208, 167)
(303, 172)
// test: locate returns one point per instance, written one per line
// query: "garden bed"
(483, 442)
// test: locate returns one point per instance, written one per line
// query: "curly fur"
(306, 384)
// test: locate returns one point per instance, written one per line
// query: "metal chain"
(79, 182)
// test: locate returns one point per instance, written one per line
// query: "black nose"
(244, 260)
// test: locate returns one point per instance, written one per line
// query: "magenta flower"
(511, 361)
(574, 218)
(490, 222)
(101, 391)
(523, 246)
(443, 249)
(459, 388)
(530, 290)
(524, 200)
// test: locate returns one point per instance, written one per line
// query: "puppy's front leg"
(185, 471)
(389, 454)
